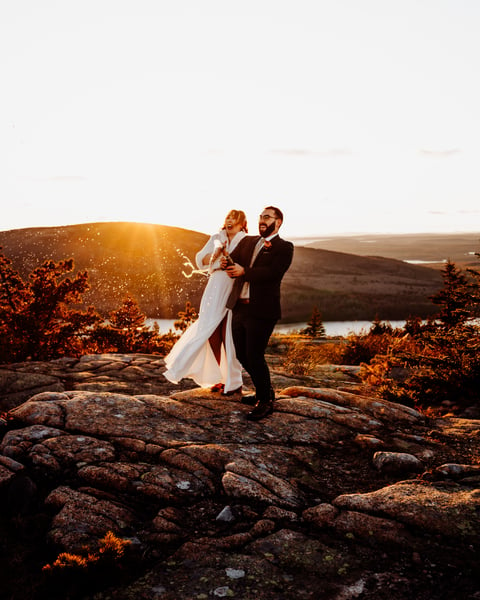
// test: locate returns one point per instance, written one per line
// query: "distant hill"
(147, 261)
(349, 287)
(432, 249)
(143, 260)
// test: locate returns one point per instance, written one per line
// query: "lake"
(332, 328)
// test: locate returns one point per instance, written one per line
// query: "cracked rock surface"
(336, 495)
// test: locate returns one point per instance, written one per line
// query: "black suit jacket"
(264, 276)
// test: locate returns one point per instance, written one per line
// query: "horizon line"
(296, 236)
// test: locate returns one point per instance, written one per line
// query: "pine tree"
(37, 320)
(126, 329)
(441, 358)
(128, 316)
(315, 327)
(186, 317)
(456, 298)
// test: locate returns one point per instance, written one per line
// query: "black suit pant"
(250, 337)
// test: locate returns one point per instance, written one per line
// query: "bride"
(205, 352)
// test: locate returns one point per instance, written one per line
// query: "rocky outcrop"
(336, 495)
(124, 373)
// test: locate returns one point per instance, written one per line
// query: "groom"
(260, 264)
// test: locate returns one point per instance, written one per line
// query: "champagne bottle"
(229, 260)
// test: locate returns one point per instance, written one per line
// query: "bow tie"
(267, 244)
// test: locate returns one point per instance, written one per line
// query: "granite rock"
(337, 490)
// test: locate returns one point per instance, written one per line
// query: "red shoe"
(218, 387)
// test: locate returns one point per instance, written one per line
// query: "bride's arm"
(204, 257)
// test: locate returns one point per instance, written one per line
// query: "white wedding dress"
(192, 355)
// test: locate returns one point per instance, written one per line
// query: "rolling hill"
(151, 263)
(431, 249)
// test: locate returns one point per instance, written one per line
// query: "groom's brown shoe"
(249, 399)
(262, 409)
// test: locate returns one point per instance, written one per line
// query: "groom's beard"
(268, 230)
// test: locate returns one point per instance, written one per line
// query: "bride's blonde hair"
(239, 217)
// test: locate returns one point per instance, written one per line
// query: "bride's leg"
(224, 329)
(217, 339)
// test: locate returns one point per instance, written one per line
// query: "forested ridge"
(154, 263)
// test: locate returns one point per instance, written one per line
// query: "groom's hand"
(235, 270)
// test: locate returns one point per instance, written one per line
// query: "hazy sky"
(351, 115)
